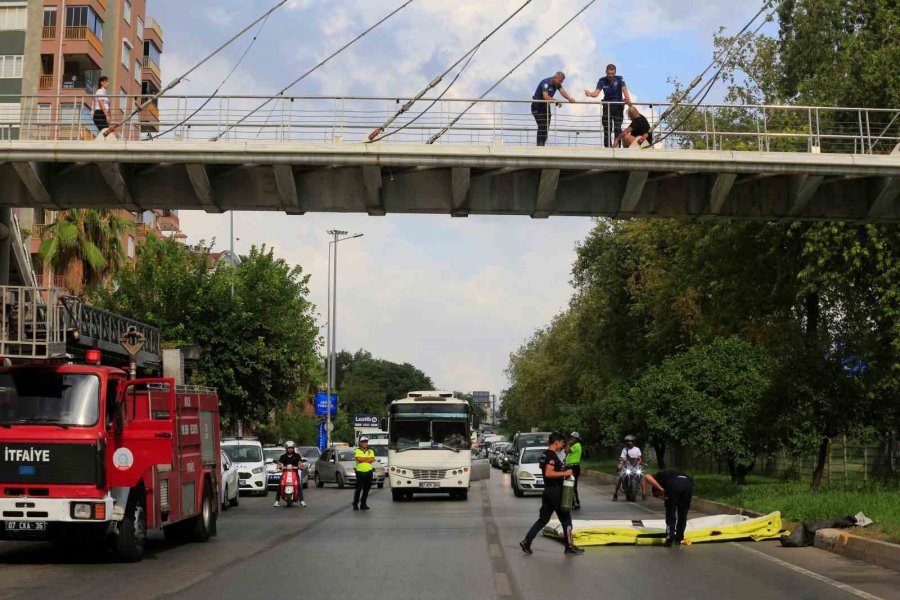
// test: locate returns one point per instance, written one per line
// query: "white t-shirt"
(632, 453)
(101, 100)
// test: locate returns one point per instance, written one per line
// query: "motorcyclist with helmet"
(632, 455)
(293, 459)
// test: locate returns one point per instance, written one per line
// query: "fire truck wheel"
(204, 525)
(131, 533)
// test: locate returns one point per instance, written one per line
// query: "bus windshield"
(432, 434)
(46, 397)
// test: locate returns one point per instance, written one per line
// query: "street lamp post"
(331, 344)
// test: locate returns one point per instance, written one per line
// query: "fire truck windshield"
(41, 397)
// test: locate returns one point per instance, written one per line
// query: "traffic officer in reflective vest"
(365, 459)
(573, 461)
(551, 502)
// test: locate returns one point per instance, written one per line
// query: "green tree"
(85, 245)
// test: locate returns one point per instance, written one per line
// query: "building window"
(153, 53)
(84, 16)
(13, 18)
(130, 247)
(50, 16)
(128, 11)
(137, 71)
(11, 67)
(140, 29)
(126, 54)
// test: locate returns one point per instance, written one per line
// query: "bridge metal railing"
(770, 128)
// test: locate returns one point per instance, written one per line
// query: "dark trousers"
(613, 114)
(541, 113)
(576, 472)
(363, 485)
(100, 120)
(551, 502)
(678, 502)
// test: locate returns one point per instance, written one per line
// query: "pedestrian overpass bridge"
(306, 154)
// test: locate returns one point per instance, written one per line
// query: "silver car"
(273, 473)
(338, 465)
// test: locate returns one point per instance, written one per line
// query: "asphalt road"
(433, 548)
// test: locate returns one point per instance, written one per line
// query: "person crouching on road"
(365, 458)
(677, 489)
(290, 458)
(573, 461)
(637, 132)
(551, 502)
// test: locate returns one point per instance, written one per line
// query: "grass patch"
(796, 501)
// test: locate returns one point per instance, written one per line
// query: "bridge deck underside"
(299, 178)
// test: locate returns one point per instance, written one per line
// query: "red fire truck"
(87, 454)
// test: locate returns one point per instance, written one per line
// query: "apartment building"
(13, 27)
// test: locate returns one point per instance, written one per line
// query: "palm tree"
(85, 245)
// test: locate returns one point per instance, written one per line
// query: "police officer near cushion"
(540, 108)
(573, 461)
(677, 489)
(551, 502)
(614, 93)
(293, 459)
(365, 459)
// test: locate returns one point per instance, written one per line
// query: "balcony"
(155, 27)
(48, 33)
(151, 66)
(83, 33)
(45, 82)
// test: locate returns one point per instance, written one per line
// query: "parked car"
(229, 491)
(527, 477)
(273, 473)
(310, 454)
(247, 455)
(522, 440)
(338, 465)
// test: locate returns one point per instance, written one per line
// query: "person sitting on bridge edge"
(677, 489)
(632, 455)
(290, 458)
(573, 461)
(540, 108)
(638, 131)
(551, 501)
(614, 93)
(364, 460)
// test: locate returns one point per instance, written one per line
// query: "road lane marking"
(797, 569)
(495, 551)
(504, 587)
(501, 581)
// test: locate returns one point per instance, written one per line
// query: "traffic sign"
(366, 421)
(322, 404)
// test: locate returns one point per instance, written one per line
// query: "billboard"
(323, 436)
(322, 404)
(366, 421)
(481, 397)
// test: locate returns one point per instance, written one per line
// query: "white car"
(526, 476)
(229, 492)
(247, 455)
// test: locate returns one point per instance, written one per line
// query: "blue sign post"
(322, 404)
(323, 436)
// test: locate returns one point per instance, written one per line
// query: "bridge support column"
(5, 244)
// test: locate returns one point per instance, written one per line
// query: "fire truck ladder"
(42, 323)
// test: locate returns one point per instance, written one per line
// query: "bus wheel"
(396, 495)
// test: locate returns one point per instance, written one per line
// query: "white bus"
(430, 448)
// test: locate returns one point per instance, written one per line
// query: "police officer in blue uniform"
(614, 93)
(543, 96)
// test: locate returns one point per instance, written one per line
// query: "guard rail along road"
(450, 156)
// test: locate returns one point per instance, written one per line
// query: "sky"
(452, 296)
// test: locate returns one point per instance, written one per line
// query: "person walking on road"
(637, 132)
(365, 458)
(615, 92)
(290, 458)
(540, 107)
(677, 489)
(573, 461)
(632, 455)
(551, 502)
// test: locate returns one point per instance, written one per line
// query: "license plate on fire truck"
(26, 526)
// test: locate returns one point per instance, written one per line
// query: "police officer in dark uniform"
(677, 488)
(540, 108)
(551, 502)
(614, 91)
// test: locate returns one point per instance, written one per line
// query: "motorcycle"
(631, 481)
(290, 485)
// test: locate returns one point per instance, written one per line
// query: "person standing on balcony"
(615, 92)
(102, 116)
(540, 106)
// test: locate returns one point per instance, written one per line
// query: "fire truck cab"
(91, 456)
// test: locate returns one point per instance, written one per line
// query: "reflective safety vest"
(364, 467)
(574, 455)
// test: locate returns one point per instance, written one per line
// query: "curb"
(836, 541)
